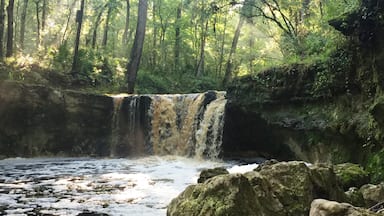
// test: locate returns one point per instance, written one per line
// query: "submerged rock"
(92, 214)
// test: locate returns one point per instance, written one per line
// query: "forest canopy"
(189, 46)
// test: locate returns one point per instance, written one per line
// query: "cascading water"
(209, 135)
(180, 124)
(117, 101)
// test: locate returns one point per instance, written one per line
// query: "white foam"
(242, 168)
(68, 186)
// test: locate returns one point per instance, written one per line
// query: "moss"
(375, 166)
(351, 175)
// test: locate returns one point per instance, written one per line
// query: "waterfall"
(177, 124)
(117, 101)
(210, 132)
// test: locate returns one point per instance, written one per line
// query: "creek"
(70, 186)
(158, 146)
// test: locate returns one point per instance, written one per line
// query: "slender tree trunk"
(10, 28)
(229, 65)
(15, 24)
(304, 10)
(106, 27)
(178, 37)
(44, 15)
(137, 47)
(67, 23)
(163, 47)
(154, 36)
(79, 20)
(222, 44)
(97, 23)
(43, 25)
(38, 39)
(127, 21)
(2, 17)
(201, 63)
(22, 24)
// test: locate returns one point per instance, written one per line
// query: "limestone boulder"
(321, 207)
(372, 194)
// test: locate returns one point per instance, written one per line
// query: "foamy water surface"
(70, 186)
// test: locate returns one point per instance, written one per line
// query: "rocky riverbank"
(281, 188)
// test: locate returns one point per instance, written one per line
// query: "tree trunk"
(106, 27)
(222, 44)
(229, 65)
(127, 20)
(97, 23)
(79, 20)
(137, 47)
(2, 17)
(44, 15)
(38, 39)
(153, 57)
(10, 28)
(67, 23)
(201, 63)
(304, 10)
(15, 23)
(22, 24)
(178, 37)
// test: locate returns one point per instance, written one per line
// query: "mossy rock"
(355, 197)
(280, 189)
(224, 195)
(351, 175)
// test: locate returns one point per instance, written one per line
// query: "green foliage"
(61, 57)
(375, 166)
(332, 74)
(148, 82)
(351, 175)
(96, 68)
(305, 36)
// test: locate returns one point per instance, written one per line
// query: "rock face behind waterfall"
(285, 189)
(37, 120)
